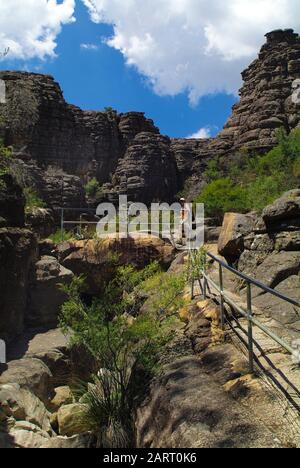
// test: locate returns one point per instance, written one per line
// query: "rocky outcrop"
(269, 251)
(72, 419)
(32, 375)
(53, 185)
(12, 202)
(22, 405)
(189, 405)
(235, 228)
(81, 441)
(45, 294)
(97, 260)
(41, 222)
(148, 171)
(18, 252)
(266, 97)
(126, 151)
(284, 209)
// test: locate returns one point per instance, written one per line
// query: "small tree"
(93, 188)
(122, 340)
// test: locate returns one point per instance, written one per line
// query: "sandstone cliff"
(126, 152)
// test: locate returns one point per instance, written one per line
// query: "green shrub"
(93, 189)
(223, 195)
(61, 236)
(5, 152)
(251, 181)
(122, 340)
(212, 171)
(32, 200)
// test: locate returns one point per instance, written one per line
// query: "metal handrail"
(254, 282)
(248, 314)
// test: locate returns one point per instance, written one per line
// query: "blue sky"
(179, 61)
(94, 79)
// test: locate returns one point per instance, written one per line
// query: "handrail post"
(222, 297)
(193, 287)
(191, 268)
(62, 225)
(250, 328)
(205, 280)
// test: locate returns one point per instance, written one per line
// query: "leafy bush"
(32, 200)
(223, 195)
(93, 189)
(61, 236)
(5, 152)
(122, 340)
(251, 182)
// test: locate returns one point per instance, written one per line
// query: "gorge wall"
(126, 152)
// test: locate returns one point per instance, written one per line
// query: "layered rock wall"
(126, 151)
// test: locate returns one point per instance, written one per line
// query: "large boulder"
(41, 221)
(72, 419)
(97, 259)
(18, 252)
(21, 405)
(287, 315)
(30, 374)
(287, 241)
(26, 435)
(81, 441)
(285, 208)
(277, 267)
(231, 241)
(45, 295)
(63, 396)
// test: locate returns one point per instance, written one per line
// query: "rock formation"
(126, 152)
(267, 248)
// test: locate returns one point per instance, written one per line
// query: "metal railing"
(245, 312)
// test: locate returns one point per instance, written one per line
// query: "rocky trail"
(207, 397)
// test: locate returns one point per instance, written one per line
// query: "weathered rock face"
(126, 151)
(18, 251)
(266, 97)
(81, 441)
(269, 251)
(12, 202)
(45, 295)
(235, 228)
(148, 170)
(72, 419)
(53, 185)
(97, 260)
(32, 375)
(41, 222)
(22, 405)
(287, 207)
(188, 406)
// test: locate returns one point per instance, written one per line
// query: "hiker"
(185, 220)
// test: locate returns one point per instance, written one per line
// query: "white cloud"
(30, 27)
(201, 134)
(199, 46)
(92, 47)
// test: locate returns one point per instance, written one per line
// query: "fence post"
(191, 266)
(205, 280)
(222, 297)
(62, 224)
(250, 328)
